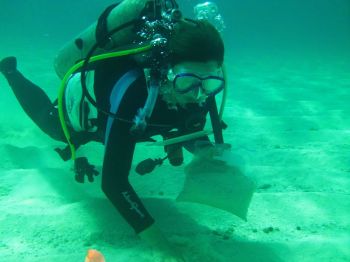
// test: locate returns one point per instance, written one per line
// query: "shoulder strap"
(102, 28)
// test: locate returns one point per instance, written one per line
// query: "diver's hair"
(195, 41)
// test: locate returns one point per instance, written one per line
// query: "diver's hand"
(219, 149)
(210, 151)
(82, 167)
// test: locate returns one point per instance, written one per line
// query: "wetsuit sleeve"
(115, 183)
(119, 150)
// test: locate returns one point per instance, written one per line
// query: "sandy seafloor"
(288, 118)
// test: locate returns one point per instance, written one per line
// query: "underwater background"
(288, 65)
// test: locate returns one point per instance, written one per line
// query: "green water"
(288, 66)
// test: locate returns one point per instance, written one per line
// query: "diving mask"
(187, 82)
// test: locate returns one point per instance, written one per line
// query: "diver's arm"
(117, 163)
(119, 152)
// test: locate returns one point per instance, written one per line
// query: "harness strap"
(102, 27)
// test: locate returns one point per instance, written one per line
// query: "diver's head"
(196, 59)
(195, 41)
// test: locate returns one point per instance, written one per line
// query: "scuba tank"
(77, 50)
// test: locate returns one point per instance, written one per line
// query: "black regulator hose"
(86, 64)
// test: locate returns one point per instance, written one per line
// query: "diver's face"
(193, 82)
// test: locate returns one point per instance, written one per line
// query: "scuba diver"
(164, 83)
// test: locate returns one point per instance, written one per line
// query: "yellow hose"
(72, 70)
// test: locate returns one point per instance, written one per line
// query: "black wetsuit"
(121, 143)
